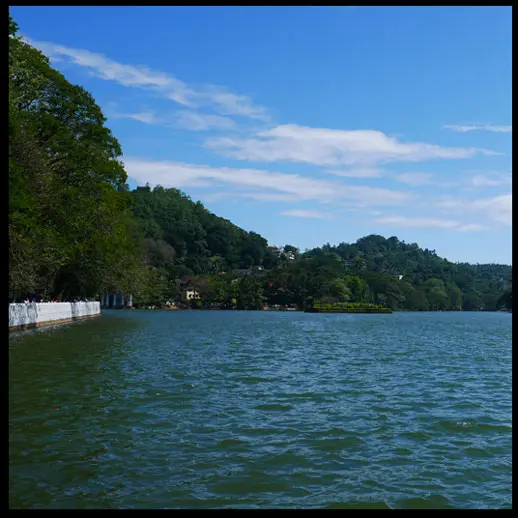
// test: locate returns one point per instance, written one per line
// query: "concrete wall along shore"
(29, 315)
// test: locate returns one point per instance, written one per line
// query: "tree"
(13, 27)
(472, 301)
(437, 299)
(417, 301)
(455, 296)
(336, 290)
(250, 293)
(358, 287)
(506, 300)
(67, 201)
(359, 263)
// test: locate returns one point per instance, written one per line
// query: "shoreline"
(35, 325)
(313, 311)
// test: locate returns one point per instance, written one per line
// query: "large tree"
(70, 228)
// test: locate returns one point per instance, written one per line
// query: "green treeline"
(347, 307)
(71, 230)
(75, 229)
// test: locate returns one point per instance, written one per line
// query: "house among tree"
(191, 294)
(276, 250)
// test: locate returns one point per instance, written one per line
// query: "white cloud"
(497, 209)
(491, 179)
(269, 196)
(421, 179)
(297, 187)
(363, 209)
(407, 222)
(254, 195)
(184, 119)
(229, 103)
(415, 179)
(363, 172)
(145, 117)
(411, 222)
(219, 98)
(478, 127)
(471, 227)
(307, 214)
(202, 121)
(329, 147)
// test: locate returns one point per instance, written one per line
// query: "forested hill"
(184, 240)
(75, 229)
(199, 241)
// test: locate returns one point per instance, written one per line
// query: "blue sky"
(308, 124)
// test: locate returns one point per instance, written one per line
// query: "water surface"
(262, 409)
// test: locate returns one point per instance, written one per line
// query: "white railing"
(39, 313)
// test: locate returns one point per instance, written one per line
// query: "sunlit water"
(262, 409)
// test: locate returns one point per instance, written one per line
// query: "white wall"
(40, 313)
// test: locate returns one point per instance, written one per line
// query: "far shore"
(165, 308)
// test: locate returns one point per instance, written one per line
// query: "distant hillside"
(182, 239)
(481, 285)
(199, 240)
(394, 257)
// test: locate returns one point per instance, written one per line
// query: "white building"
(192, 295)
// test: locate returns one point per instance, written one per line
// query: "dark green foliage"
(202, 242)
(404, 276)
(506, 300)
(183, 239)
(347, 308)
(374, 270)
(71, 233)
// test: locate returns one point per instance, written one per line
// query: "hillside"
(183, 240)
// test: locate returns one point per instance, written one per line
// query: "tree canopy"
(71, 231)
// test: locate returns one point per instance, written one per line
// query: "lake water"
(262, 409)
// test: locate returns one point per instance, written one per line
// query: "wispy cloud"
(328, 147)
(307, 214)
(219, 98)
(463, 128)
(497, 209)
(361, 172)
(184, 119)
(237, 195)
(492, 179)
(422, 179)
(471, 227)
(299, 188)
(268, 196)
(145, 117)
(415, 179)
(408, 222)
(195, 121)
(411, 222)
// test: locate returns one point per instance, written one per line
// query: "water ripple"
(256, 409)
